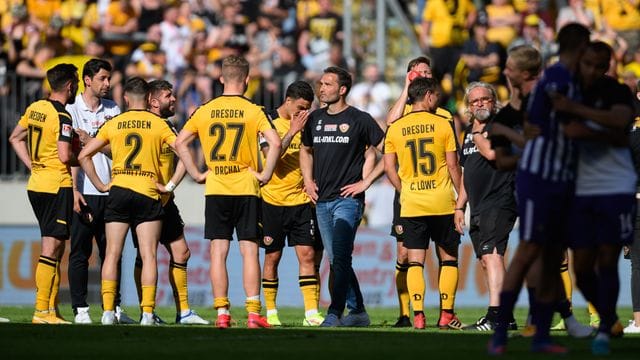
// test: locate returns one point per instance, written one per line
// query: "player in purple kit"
(604, 207)
(544, 183)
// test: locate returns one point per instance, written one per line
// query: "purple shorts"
(602, 219)
(543, 208)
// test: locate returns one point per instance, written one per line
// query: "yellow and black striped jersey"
(228, 128)
(137, 138)
(286, 187)
(420, 141)
(167, 164)
(47, 122)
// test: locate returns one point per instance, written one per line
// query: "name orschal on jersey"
(331, 133)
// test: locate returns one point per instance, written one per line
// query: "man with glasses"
(490, 193)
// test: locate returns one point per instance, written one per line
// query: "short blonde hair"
(527, 58)
(235, 68)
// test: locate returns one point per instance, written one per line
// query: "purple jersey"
(551, 156)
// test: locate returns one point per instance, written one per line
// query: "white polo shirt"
(89, 121)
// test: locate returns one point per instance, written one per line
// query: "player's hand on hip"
(263, 178)
(353, 189)
(201, 178)
(161, 188)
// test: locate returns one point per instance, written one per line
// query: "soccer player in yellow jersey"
(421, 162)
(228, 128)
(162, 103)
(448, 278)
(42, 140)
(287, 210)
(137, 138)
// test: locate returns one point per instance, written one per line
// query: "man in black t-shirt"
(490, 193)
(334, 140)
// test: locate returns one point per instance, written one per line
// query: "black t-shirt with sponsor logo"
(339, 142)
(486, 186)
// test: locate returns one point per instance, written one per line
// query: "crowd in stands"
(183, 41)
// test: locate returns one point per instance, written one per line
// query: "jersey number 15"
(422, 160)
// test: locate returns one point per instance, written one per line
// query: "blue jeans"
(338, 222)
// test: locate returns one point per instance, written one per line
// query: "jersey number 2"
(135, 142)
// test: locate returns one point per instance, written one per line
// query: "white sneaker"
(191, 318)
(632, 328)
(109, 318)
(313, 320)
(576, 329)
(148, 319)
(122, 317)
(82, 316)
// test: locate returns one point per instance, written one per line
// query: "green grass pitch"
(22, 340)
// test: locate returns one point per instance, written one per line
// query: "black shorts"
(127, 206)
(172, 225)
(490, 230)
(53, 211)
(224, 213)
(397, 227)
(295, 223)
(439, 228)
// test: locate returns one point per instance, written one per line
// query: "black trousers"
(82, 236)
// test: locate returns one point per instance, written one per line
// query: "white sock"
(311, 312)
(184, 313)
(223, 311)
(272, 312)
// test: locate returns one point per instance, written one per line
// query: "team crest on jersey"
(268, 240)
(67, 130)
(344, 128)
(399, 229)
